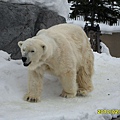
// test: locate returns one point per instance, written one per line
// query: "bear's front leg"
(34, 86)
(69, 84)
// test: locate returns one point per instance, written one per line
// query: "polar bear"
(62, 50)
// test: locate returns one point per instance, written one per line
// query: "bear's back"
(67, 29)
(72, 33)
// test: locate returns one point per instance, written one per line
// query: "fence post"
(93, 32)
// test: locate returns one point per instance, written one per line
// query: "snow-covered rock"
(19, 22)
(59, 6)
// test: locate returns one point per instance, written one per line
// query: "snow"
(105, 29)
(104, 49)
(59, 6)
(13, 83)
(13, 86)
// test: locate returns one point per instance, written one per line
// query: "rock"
(21, 21)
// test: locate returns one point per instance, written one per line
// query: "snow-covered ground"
(59, 6)
(13, 86)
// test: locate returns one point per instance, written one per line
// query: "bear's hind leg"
(69, 84)
(84, 81)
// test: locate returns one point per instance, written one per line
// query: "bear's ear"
(20, 43)
(43, 47)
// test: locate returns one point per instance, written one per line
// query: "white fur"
(63, 50)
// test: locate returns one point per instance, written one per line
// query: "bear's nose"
(24, 59)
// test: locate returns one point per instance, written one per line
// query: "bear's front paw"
(67, 95)
(31, 98)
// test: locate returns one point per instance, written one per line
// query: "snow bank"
(59, 6)
(13, 86)
(105, 29)
(105, 49)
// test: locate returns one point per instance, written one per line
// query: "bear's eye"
(32, 51)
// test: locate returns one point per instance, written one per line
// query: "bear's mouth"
(26, 64)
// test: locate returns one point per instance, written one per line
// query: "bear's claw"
(30, 98)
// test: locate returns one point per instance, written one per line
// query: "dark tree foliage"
(105, 11)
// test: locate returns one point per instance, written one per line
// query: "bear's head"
(32, 51)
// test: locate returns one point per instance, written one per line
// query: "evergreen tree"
(106, 11)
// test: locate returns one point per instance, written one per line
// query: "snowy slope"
(59, 6)
(13, 86)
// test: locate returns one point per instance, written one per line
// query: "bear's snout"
(24, 59)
